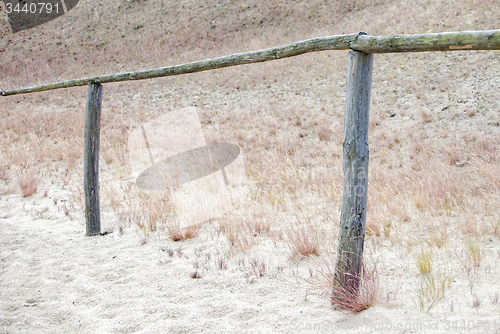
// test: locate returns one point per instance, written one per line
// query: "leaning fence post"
(91, 159)
(355, 168)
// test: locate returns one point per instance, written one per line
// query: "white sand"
(55, 279)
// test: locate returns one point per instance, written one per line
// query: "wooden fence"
(355, 144)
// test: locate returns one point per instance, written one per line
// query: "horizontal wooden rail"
(448, 41)
(295, 49)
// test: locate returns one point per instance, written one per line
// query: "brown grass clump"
(324, 132)
(259, 225)
(28, 181)
(178, 234)
(438, 236)
(258, 267)
(240, 235)
(304, 239)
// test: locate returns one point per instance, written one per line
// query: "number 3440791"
(32, 8)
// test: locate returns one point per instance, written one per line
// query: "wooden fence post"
(91, 159)
(355, 168)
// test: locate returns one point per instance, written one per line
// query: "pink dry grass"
(358, 292)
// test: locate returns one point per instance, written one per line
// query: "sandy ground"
(55, 279)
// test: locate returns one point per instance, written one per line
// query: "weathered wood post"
(355, 167)
(91, 159)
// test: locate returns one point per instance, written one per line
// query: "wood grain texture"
(91, 159)
(355, 168)
(447, 41)
(451, 41)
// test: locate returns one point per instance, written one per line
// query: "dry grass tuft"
(146, 209)
(258, 224)
(432, 289)
(324, 132)
(373, 226)
(258, 267)
(349, 299)
(178, 234)
(240, 235)
(304, 239)
(358, 293)
(470, 226)
(387, 227)
(473, 252)
(438, 236)
(424, 262)
(28, 180)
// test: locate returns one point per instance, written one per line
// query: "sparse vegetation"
(432, 289)
(177, 233)
(438, 236)
(258, 267)
(476, 301)
(434, 141)
(473, 252)
(424, 262)
(304, 239)
(240, 235)
(28, 180)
